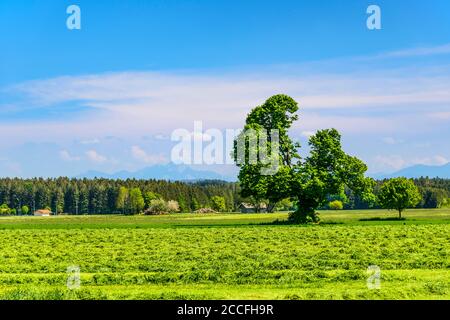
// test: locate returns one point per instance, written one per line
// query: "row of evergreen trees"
(102, 196)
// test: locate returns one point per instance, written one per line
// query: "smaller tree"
(122, 198)
(336, 205)
(136, 200)
(218, 203)
(399, 194)
(25, 210)
(149, 196)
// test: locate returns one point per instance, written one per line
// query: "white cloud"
(90, 141)
(307, 134)
(139, 154)
(94, 156)
(147, 103)
(66, 156)
(422, 51)
(161, 136)
(440, 160)
(397, 162)
(391, 140)
(362, 101)
(393, 162)
(445, 115)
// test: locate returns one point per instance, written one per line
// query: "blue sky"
(108, 96)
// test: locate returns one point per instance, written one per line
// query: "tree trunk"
(303, 216)
(270, 207)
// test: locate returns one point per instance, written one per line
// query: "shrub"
(173, 206)
(157, 206)
(5, 210)
(25, 210)
(336, 205)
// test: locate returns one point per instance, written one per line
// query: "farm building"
(250, 208)
(43, 213)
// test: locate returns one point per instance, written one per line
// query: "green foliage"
(104, 196)
(136, 200)
(277, 113)
(399, 194)
(326, 171)
(336, 205)
(285, 205)
(218, 203)
(433, 198)
(157, 206)
(25, 210)
(5, 210)
(149, 196)
(122, 198)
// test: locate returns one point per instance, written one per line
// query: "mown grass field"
(227, 256)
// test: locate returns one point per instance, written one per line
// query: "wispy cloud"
(95, 157)
(91, 141)
(444, 115)
(140, 154)
(66, 156)
(391, 140)
(421, 51)
(127, 103)
(379, 101)
(307, 134)
(398, 162)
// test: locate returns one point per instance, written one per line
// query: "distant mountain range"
(185, 173)
(418, 171)
(160, 172)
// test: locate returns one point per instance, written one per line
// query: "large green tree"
(399, 194)
(310, 181)
(257, 180)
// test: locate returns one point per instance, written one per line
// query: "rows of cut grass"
(226, 256)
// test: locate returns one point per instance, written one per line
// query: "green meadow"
(227, 256)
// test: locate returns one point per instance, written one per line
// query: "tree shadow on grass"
(383, 219)
(290, 223)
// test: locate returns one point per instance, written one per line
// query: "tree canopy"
(326, 171)
(399, 194)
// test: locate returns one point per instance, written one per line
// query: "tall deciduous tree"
(137, 202)
(218, 203)
(122, 198)
(326, 171)
(277, 113)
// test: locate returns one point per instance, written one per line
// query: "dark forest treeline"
(99, 196)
